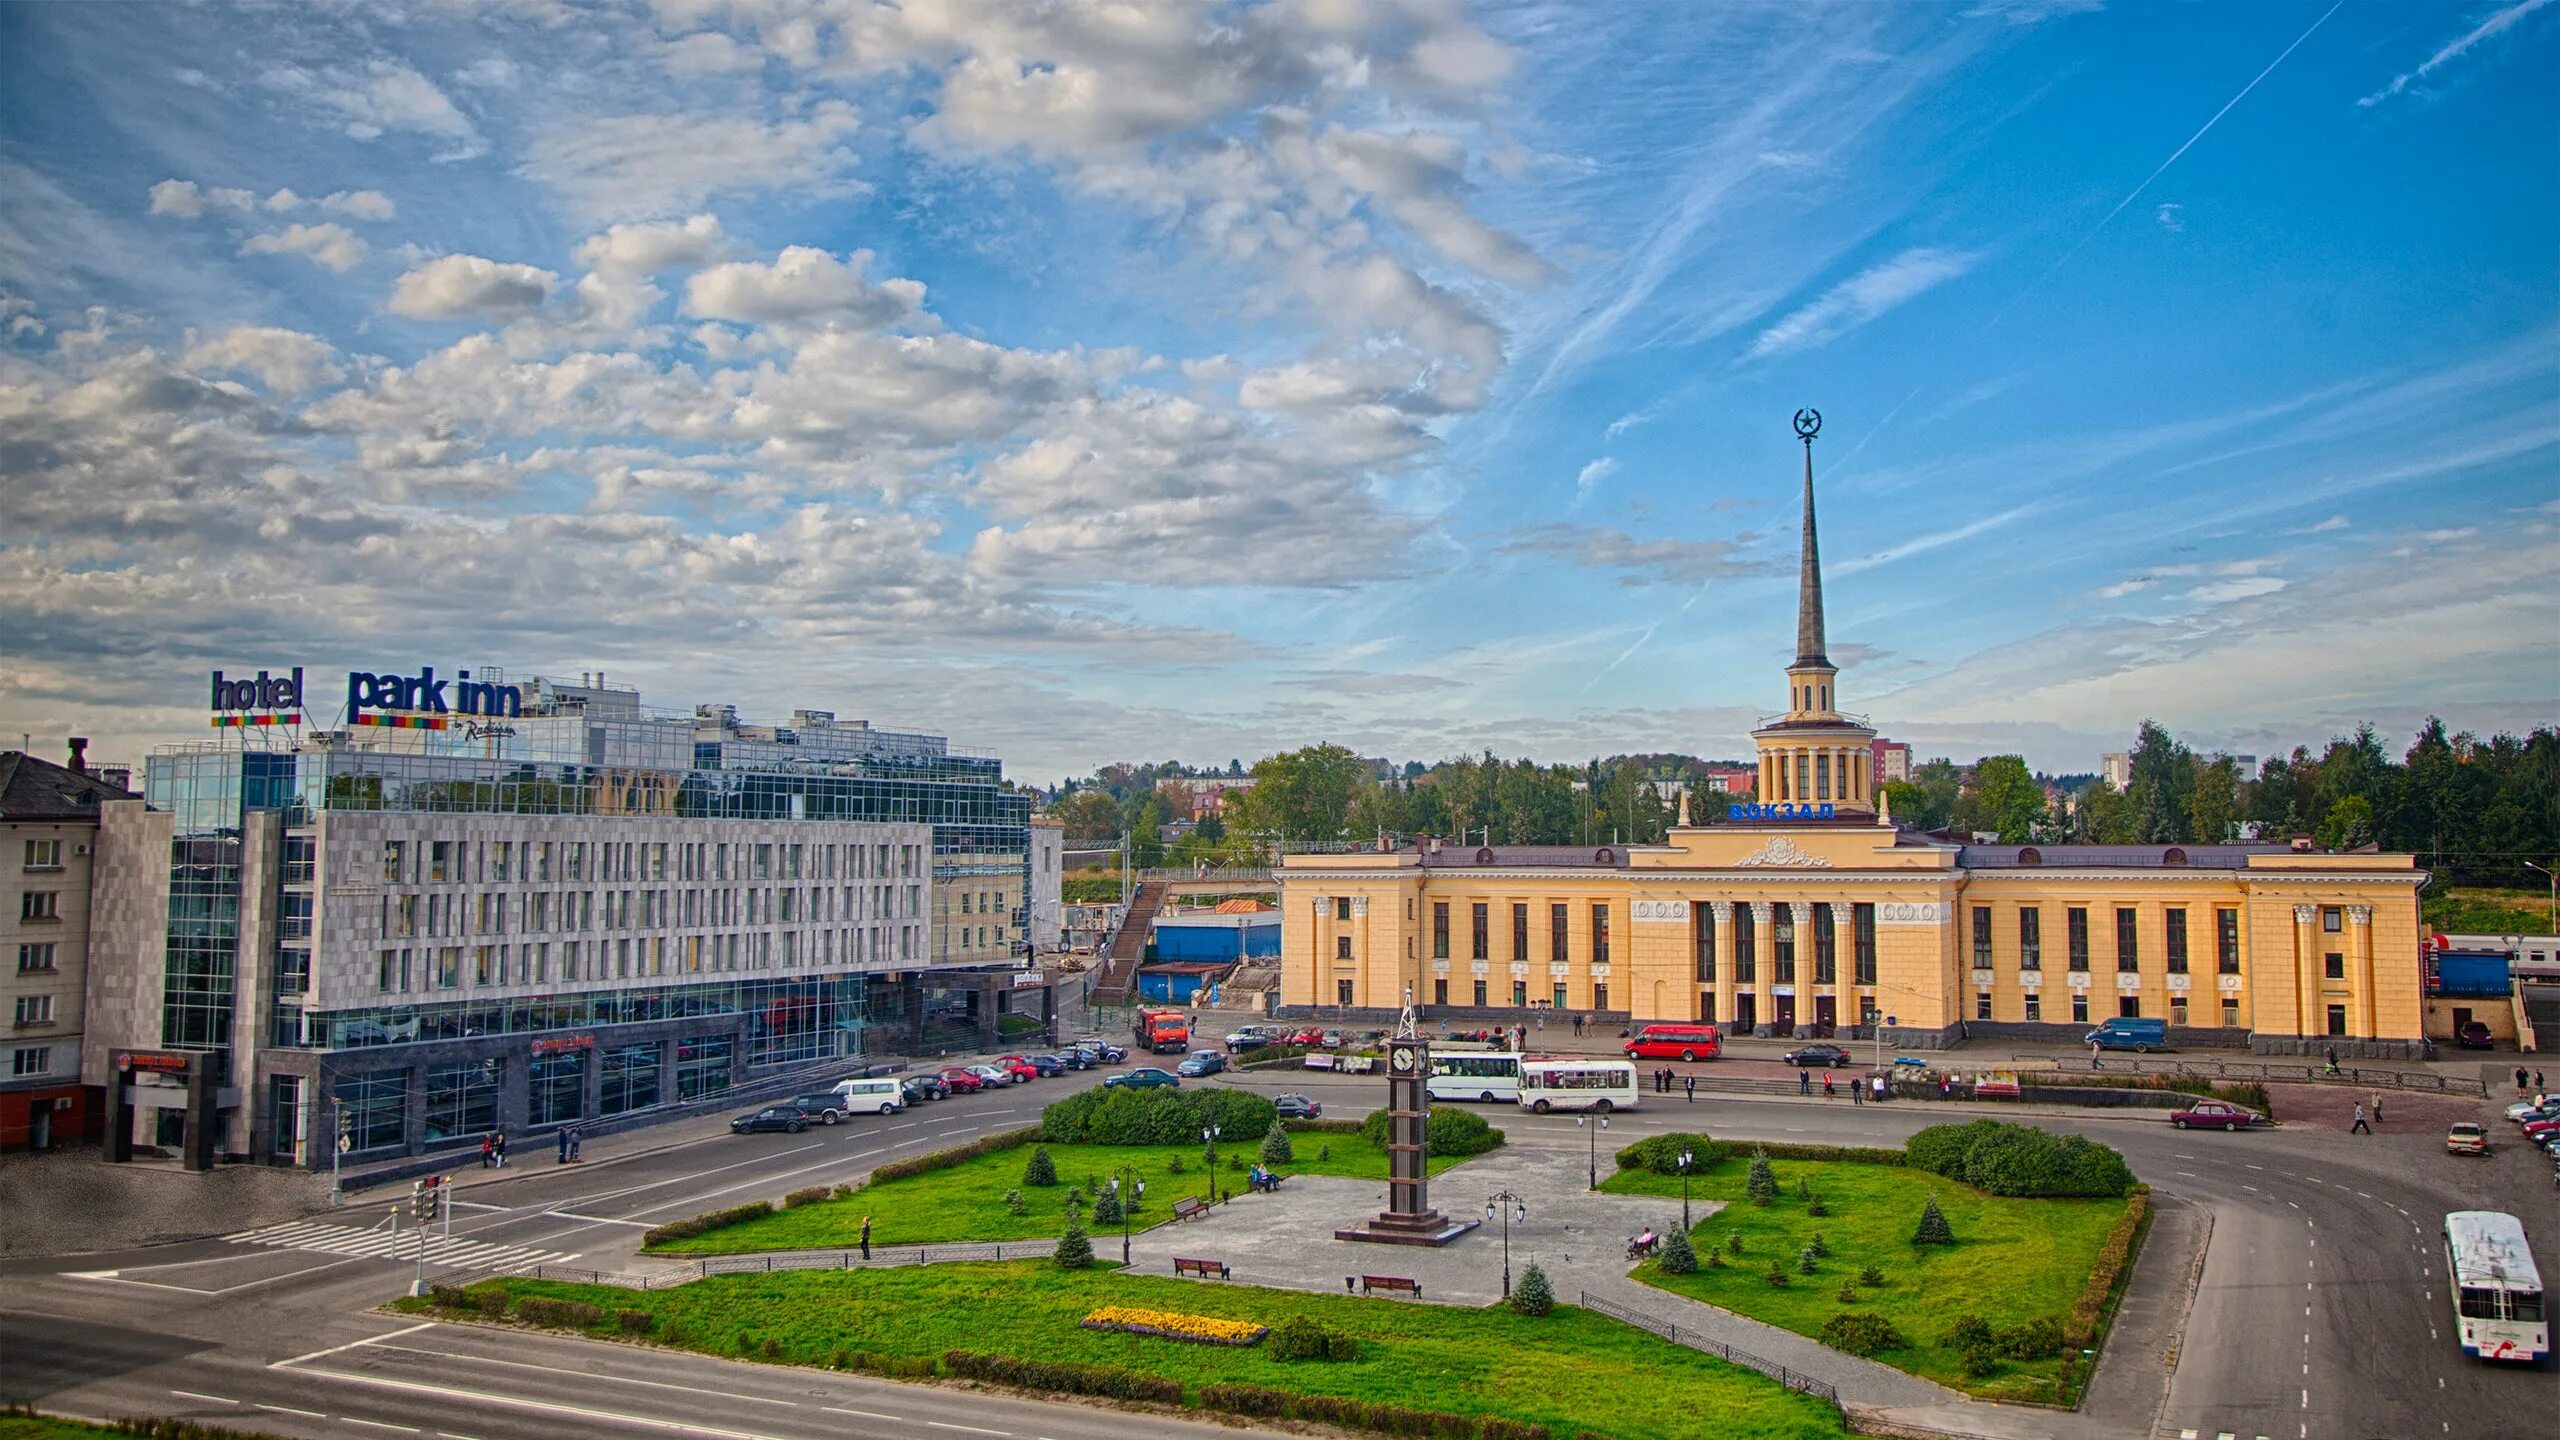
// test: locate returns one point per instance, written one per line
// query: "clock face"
(1401, 1057)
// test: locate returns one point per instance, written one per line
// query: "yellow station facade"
(1813, 914)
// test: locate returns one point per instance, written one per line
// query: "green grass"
(20, 1425)
(2494, 912)
(1572, 1370)
(2013, 1260)
(966, 1202)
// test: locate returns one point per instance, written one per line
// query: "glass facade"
(556, 1088)
(372, 1109)
(702, 1066)
(462, 1100)
(630, 1076)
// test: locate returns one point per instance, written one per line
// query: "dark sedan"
(924, 1087)
(1141, 1078)
(1816, 1057)
(1047, 1065)
(1299, 1107)
(786, 1118)
(826, 1106)
(1075, 1059)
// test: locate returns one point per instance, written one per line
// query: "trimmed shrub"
(811, 1195)
(1967, 1332)
(1300, 1338)
(2035, 1339)
(1157, 1116)
(871, 1362)
(635, 1322)
(708, 1221)
(1762, 1186)
(1111, 1382)
(1999, 1158)
(1940, 1149)
(1276, 1149)
(1263, 1402)
(492, 1302)
(1450, 1131)
(1933, 1228)
(451, 1297)
(1267, 1054)
(1040, 1170)
(1074, 1252)
(1533, 1295)
(1861, 1332)
(1660, 1155)
(563, 1314)
(1321, 1127)
(956, 1155)
(2115, 1257)
(1856, 1154)
(1981, 1361)
(1678, 1256)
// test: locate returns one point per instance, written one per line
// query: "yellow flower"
(1203, 1327)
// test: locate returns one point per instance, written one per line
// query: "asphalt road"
(2322, 1308)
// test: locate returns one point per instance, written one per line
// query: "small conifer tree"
(1276, 1149)
(1106, 1207)
(1040, 1170)
(1075, 1252)
(1762, 1186)
(1533, 1295)
(1934, 1229)
(1678, 1256)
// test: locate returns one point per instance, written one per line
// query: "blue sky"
(1197, 381)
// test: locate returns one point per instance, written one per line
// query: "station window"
(1342, 992)
(1981, 1004)
(1480, 994)
(2226, 941)
(2177, 1009)
(2333, 966)
(2030, 938)
(2337, 1019)
(1439, 992)
(2076, 928)
(1341, 907)
(1520, 992)
(2079, 1007)
(1480, 933)
(1341, 947)
(2230, 1010)
(2035, 1007)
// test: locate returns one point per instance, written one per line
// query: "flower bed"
(1170, 1325)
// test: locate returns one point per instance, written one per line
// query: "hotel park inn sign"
(388, 698)
(1890, 912)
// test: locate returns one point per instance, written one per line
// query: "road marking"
(289, 1410)
(586, 1374)
(375, 1244)
(596, 1219)
(2252, 1167)
(865, 1414)
(617, 1194)
(551, 1407)
(971, 1429)
(216, 1399)
(449, 1435)
(2252, 1189)
(113, 1278)
(352, 1344)
(381, 1424)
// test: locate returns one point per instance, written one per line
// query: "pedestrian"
(1945, 1092)
(577, 1138)
(2331, 1054)
(488, 1149)
(2359, 1125)
(1828, 1092)
(1857, 1092)
(2377, 1107)
(2537, 1080)
(866, 1237)
(1691, 1081)
(1577, 1027)
(1804, 1082)
(564, 1146)
(2093, 1054)
(502, 1149)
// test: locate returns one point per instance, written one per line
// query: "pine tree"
(1275, 1146)
(1106, 1208)
(1819, 1246)
(1075, 1252)
(1934, 1229)
(1533, 1295)
(1678, 1257)
(1040, 1170)
(1763, 1183)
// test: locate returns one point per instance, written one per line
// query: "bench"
(1202, 1268)
(1190, 1207)
(1369, 1283)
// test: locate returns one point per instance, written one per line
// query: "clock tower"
(1408, 1218)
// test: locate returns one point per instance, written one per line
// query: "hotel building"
(392, 937)
(1809, 913)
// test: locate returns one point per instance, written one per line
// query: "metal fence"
(2304, 1072)
(1792, 1379)
(685, 1272)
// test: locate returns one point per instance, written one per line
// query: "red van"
(1676, 1042)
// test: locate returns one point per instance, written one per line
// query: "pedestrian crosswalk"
(379, 1243)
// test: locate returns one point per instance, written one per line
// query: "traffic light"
(423, 1197)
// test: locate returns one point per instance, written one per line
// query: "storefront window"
(557, 1087)
(371, 1107)
(702, 1066)
(630, 1079)
(462, 1100)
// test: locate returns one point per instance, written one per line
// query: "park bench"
(1202, 1268)
(1190, 1208)
(1369, 1283)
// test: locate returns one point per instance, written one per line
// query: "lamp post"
(1209, 1136)
(2554, 878)
(1504, 1203)
(1137, 1191)
(1583, 1122)
(1685, 1158)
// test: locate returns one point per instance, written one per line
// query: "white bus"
(2497, 1293)
(1492, 1078)
(1570, 1082)
(880, 1096)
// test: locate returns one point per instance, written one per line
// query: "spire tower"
(1814, 761)
(1809, 644)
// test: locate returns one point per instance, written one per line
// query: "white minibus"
(1571, 1082)
(871, 1097)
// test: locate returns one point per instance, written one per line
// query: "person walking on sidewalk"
(2359, 1125)
(1691, 1082)
(502, 1149)
(1829, 1092)
(564, 1146)
(2537, 1079)
(577, 1137)
(1577, 1027)
(488, 1150)
(2519, 1079)
(2093, 1054)
(866, 1237)
(2377, 1107)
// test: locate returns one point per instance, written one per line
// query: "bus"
(1571, 1082)
(1474, 1075)
(2497, 1294)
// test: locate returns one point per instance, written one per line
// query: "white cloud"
(185, 201)
(379, 97)
(2334, 522)
(801, 284)
(1861, 298)
(648, 249)
(362, 205)
(328, 244)
(2497, 24)
(283, 201)
(285, 361)
(708, 53)
(2170, 220)
(452, 286)
(2246, 587)
(1650, 561)
(1937, 540)
(626, 166)
(1590, 477)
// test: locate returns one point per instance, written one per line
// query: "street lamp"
(2547, 874)
(1137, 1192)
(1583, 1122)
(1209, 1136)
(1685, 1158)
(1504, 1203)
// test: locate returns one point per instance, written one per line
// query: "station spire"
(1810, 649)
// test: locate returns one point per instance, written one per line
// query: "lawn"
(1571, 1370)
(46, 1427)
(2013, 1260)
(966, 1202)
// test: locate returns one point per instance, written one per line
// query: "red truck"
(1166, 1032)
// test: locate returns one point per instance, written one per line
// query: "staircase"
(2544, 1017)
(1119, 978)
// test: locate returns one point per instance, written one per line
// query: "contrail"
(2165, 164)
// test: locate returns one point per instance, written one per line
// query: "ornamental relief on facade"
(1662, 912)
(1782, 851)
(1909, 912)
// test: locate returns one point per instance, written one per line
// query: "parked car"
(2140, 1034)
(1019, 1067)
(1141, 1078)
(1072, 1058)
(1253, 1037)
(1331, 1039)
(1199, 1063)
(925, 1087)
(2466, 1138)
(2475, 1036)
(2534, 1130)
(1818, 1057)
(2541, 1108)
(1047, 1065)
(786, 1118)
(825, 1106)
(2213, 1115)
(1299, 1107)
(1103, 1051)
(963, 1081)
(993, 1075)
